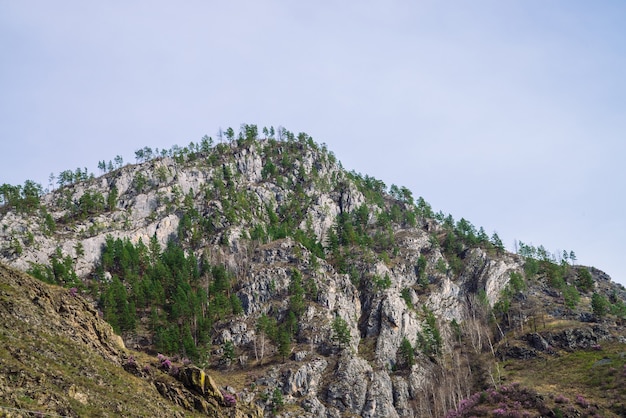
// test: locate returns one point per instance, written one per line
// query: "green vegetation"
(429, 340)
(600, 305)
(182, 296)
(421, 271)
(406, 295)
(406, 354)
(22, 199)
(584, 282)
(516, 284)
(561, 275)
(341, 332)
(598, 373)
(41, 359)
(60, 271)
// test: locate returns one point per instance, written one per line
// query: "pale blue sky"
(511, 114)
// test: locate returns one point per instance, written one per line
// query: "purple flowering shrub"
(512, 401)
(581, 401)
(229, 398)
(561, 399)
(164, 362)
(131, 366)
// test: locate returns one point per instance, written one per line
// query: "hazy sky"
(511, 114)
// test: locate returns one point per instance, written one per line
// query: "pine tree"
(497, 242)
(407, 357)
(284, 342)
(341, 332)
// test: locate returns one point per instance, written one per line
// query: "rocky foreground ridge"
(315, 291)
(59, 357)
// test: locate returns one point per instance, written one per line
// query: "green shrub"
(531, 268)
(441, 266)
(381, 283)
(406, 295)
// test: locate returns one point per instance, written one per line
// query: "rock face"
(578, 338)
(305, 381)
(194, 378)
(348, 390)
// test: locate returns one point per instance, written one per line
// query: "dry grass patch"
(598, 375)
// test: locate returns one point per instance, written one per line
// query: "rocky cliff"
(348, 299)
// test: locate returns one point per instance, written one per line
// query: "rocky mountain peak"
(262, 259)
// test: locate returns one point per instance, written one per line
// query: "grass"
(45, 369)
(600, 375)
(78, 380)
(367, 348)
(234, 378)
(559, 324)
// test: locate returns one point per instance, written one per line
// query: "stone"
(537, 342)
(348, 389)
(306, 380)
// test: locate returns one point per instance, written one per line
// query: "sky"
(510, 114)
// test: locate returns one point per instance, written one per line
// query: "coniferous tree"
(600, 305)
(497, 242)
(585, 281)
(406, 354)
(284, 342)
(341, 332)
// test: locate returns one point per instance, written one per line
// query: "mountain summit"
(308, 290)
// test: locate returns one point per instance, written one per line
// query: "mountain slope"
(58, 357)
(320, 292)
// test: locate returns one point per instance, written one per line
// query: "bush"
(229, 399)
(430, 340)
(382, 283)
(517, 282)
(406, 295)
(531, 268)
(561, 399)
(277, 399)
(581, 401)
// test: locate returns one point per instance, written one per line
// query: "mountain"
(308, 290)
